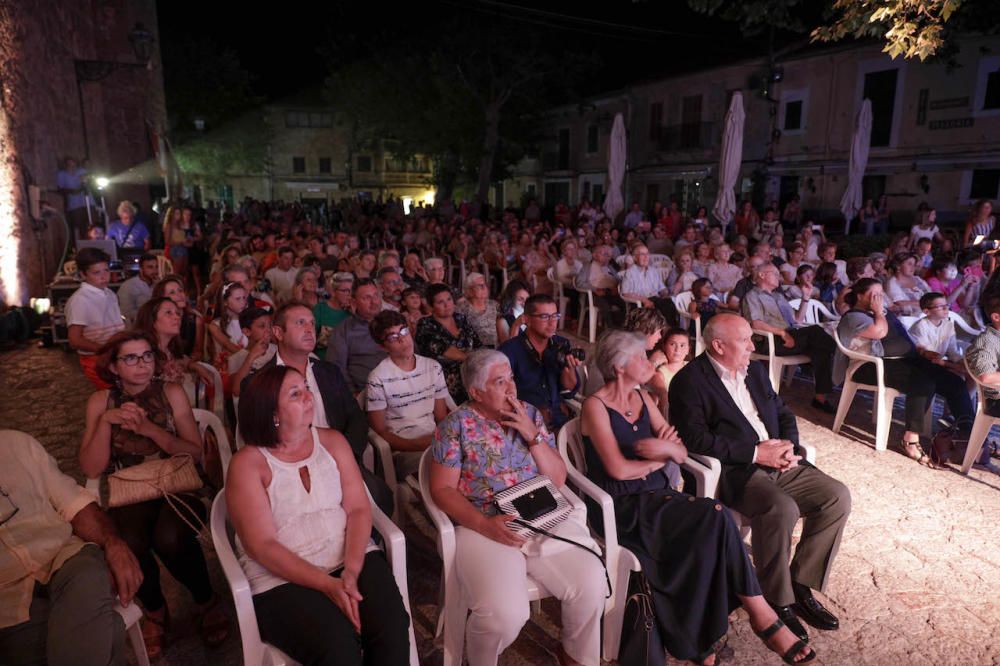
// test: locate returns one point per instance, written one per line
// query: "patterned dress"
(489, 458)
(433, 340)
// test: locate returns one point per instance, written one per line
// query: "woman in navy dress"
(690, 548)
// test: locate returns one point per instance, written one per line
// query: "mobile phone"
(979, 239)
(817, 227)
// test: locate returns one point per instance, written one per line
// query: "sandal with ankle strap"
(154, 633)
(914, 451)
(789, 656)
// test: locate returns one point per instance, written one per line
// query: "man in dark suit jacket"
(294, 331)
(724, 406)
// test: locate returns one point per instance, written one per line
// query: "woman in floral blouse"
(490, 443)
(447, 337)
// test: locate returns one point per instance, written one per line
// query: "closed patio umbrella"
(850, 203)
(730, 161)
(613, 202)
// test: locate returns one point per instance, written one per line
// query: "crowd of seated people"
(402, 324)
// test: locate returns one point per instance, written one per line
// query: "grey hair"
(429, 261)
(342, 277)
(300, 276)
(476, 367)
(469, 277)
(615, 349)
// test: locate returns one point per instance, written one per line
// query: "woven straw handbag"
(153, 479)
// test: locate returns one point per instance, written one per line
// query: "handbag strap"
(539, 530)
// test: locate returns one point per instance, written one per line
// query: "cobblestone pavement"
(916, 580)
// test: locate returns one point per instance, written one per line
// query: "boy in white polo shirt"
(92, 312)
(407, 393)
(934, 333)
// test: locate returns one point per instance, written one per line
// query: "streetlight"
(141, 40)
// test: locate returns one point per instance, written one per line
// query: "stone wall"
(39, 42)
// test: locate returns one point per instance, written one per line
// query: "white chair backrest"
(206, 420)
(218, 400)
(570, 444)
(907, 321)
(960, 322)
(682, 301)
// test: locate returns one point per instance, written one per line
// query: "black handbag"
(641, 644)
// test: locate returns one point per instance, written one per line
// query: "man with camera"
(544, 364)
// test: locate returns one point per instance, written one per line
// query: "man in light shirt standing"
(138, 289)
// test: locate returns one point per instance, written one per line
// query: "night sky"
(635, 40)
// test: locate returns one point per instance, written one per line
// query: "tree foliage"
(909, 28)
(465, 96)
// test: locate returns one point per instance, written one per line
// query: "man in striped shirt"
(92, 312)
(407, 393)
(983, 355)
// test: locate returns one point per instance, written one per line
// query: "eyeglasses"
(6, 513)
(396, 337)
(942, 306)
(555, 316)
(133, 359)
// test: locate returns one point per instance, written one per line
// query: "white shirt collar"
(724, 373)
(280, 361)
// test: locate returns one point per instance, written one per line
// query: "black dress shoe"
(812, 611)
(787, 615)
(824, 406)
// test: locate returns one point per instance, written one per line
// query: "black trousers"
(811, 341)
(611, 307)
(920, 380)
(154, 528)
(305, 624)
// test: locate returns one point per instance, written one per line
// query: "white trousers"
(492, 576)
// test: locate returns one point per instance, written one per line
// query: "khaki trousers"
(774, 502)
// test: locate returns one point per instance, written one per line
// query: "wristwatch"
(539, 438)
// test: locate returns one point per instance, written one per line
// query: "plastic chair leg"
(846, 398)
(980, 431)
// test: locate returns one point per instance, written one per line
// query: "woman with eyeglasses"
(142, 418)
(447, 337)
(335, 308)
(479, 309)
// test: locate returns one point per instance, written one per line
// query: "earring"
(276, 423)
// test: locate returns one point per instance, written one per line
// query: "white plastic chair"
(255, 651)
(981, 426)
(960, 323)
(682, 302)
(453, 610)
(814, 311)
(776, 364)
(381, 448)
(560, 298)
(208, 421)
(885, 396)
(218, 400)
(620, 561)
(588, 311)
(907, 321)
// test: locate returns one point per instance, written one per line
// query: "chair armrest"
(238, 584)
(712, 476)
(770, 340)
(384, 452)
(395, 548)
(588, 488)
(702, 475)
(810, 452)
(93, 486)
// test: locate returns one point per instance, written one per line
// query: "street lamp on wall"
(92, 71)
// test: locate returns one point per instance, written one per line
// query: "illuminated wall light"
(10, 280)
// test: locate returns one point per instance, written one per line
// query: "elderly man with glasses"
(544, 370)
(645, 284)
(767, 309)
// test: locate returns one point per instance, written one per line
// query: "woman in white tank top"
(323, 592)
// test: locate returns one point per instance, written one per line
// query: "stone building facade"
(936, 134)
(72, 86)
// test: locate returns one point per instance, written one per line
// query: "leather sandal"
(916, 452)
(789, 656)
(154, 633)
